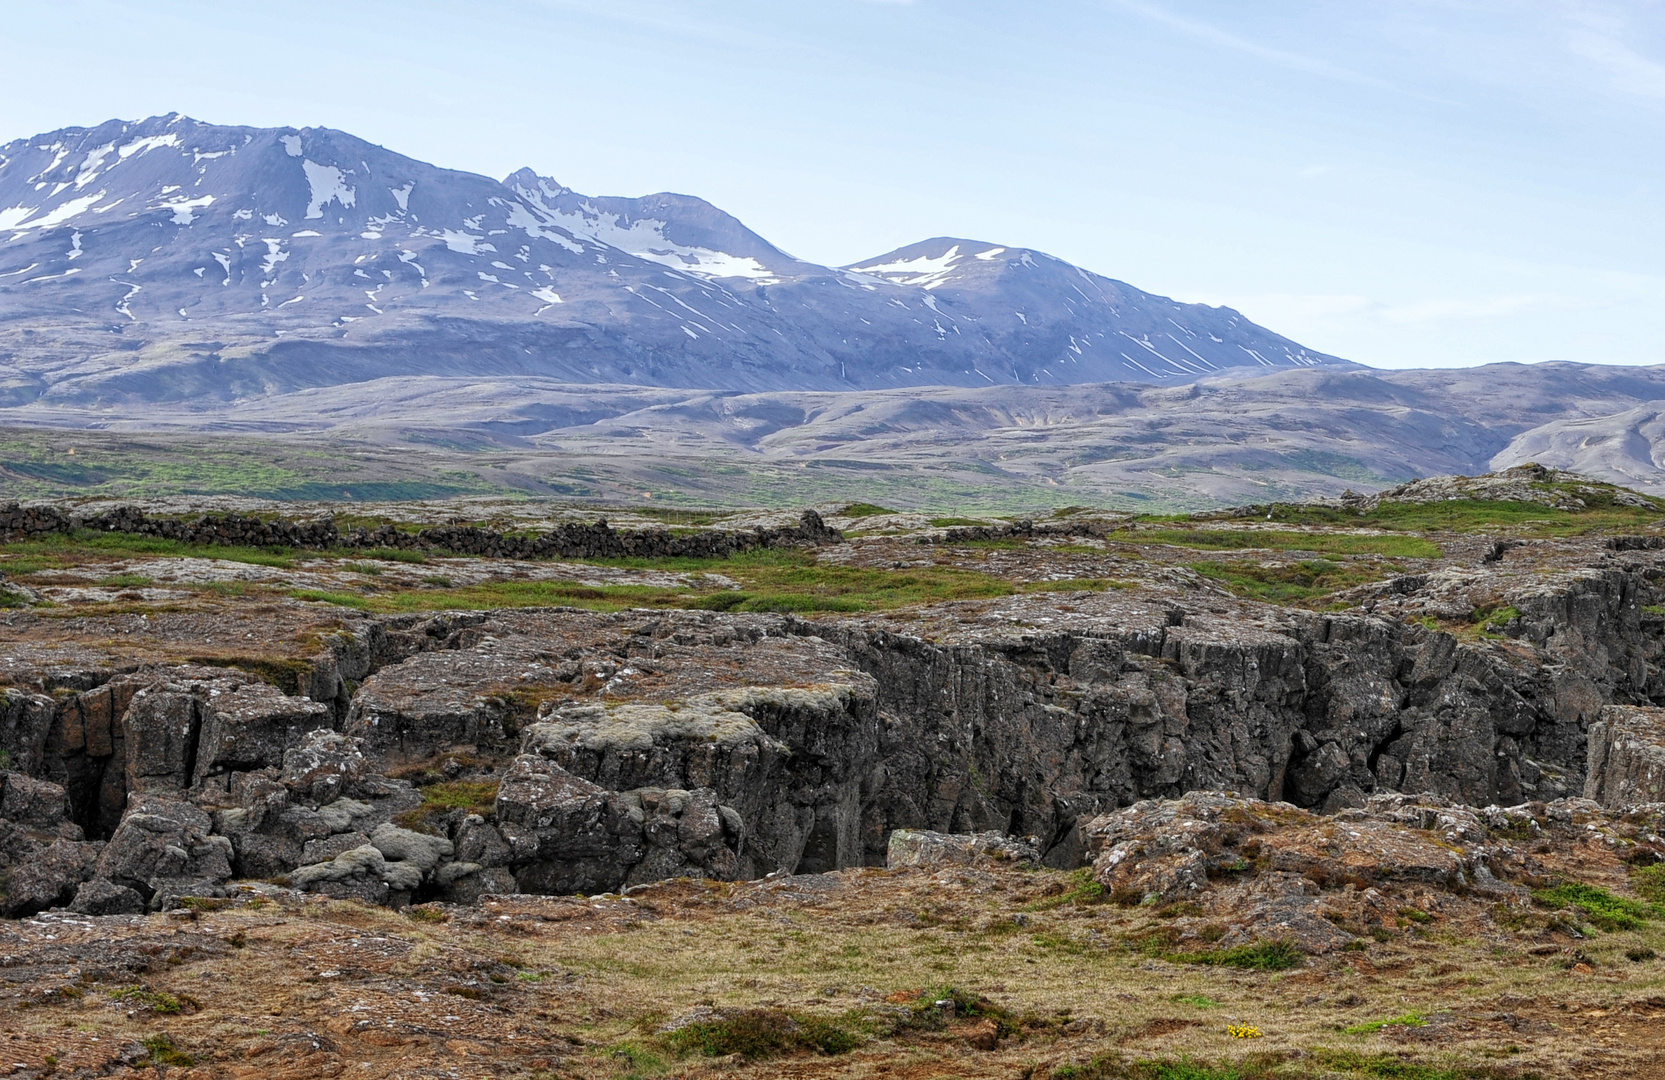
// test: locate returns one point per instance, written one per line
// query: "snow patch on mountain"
(328, 185)
(148, 143)
(924, 271)
(642, 237)
(63, 212)
(184, 210)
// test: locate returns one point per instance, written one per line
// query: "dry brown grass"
(530, 986)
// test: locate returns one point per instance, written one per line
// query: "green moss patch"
(438, 799)
(1406, 1020)
(1291, 583)
(164, 1052)
(1327, 543)
(1601, 908)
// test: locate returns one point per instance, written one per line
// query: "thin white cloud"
(1630, 71)
(1226, 39)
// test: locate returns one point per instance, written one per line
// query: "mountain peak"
(306, 256)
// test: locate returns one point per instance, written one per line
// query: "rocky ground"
(1380, 779)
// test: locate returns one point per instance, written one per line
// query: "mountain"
(169, 260)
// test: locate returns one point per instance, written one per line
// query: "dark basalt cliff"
(640, 745)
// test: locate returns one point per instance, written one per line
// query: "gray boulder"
(481, 843)
(359, 874)
(46, 878)
(165, 848)
(686, 834)
(929, 850)
(324, 765)
(428, 704)
(317, 851)
(568, 835)
(160, 731)
(347, 815)
(252, 725)
(465, 883)
(36, 804)
(403, 845)
(25, 723)
(100, 897)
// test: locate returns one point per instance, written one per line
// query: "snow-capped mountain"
(173, 260)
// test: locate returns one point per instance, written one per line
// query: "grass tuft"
(755, 1034)
(1649, 882)
(163, 1052)
(1411, 1019)
(470, 796)
(1115, 1068)
(154, 1000)
(1080, 888)
(1389, 1067)
(1261, 956)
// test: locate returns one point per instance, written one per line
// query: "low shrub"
(1604, 910)
(755, 1034)
(1649, 881)
(1115, 1068)
(1079, 888)
(154, 1000)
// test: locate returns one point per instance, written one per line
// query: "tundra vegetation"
(377, 888)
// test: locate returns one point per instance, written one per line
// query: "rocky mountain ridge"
(171, 260)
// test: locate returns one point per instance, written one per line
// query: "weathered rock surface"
(42, 857)
(165, 848)
(1627, 757)
(566, 834)
(294, 817)
(1261, 871)
(47, 877)
(359, 874)
(101, 896)
(36, 805)
(1170, 849)
(624, 747)
(324, 765)
(570, 541)
(925, 849)
(795, 783)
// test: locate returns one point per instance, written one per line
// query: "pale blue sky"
(1403, 182)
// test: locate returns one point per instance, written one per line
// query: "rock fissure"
(553, 750)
